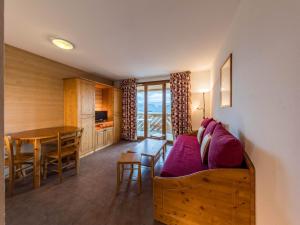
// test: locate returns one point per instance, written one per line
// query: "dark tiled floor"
(87, 199)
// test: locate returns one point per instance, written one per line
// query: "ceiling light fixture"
(63, 44)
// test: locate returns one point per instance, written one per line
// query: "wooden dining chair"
(68, 144)
(16, 163)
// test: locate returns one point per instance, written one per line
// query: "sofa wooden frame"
(209, 197)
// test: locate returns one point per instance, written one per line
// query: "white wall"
(265, 42)
(200, 82)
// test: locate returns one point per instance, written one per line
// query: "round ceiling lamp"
(63, 44)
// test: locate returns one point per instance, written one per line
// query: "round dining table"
(36, 138)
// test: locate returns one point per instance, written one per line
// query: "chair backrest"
(69, 140)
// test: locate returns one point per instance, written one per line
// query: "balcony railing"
(154, 125)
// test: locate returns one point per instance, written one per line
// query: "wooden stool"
(129, 159)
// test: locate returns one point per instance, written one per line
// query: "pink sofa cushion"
(206, 121)
(225, 151)
(210, 128)
(184, 158)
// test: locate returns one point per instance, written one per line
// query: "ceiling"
(122, 38)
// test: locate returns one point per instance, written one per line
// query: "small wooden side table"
(129, 159)
(153, 149)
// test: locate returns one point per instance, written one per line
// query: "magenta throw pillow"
(225, 150)
(206, 121)
(210, 128)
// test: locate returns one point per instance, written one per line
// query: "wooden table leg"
(77, 162)
(37, 164)
(122, 173)
(164, 152)
(18, 153)
(11, 178)
(152, 167)
(118, 177)
(131, 171)
(140, 178)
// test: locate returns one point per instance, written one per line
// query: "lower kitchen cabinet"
(104, 137)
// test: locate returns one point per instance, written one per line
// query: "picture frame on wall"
(226, 83)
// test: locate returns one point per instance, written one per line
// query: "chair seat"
(22, 158)
(65, 152)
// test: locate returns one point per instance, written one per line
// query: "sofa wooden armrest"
(217, 196)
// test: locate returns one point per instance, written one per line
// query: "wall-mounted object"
(226, 82)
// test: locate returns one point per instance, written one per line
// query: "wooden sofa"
(208, 197)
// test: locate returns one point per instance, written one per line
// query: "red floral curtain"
(181, 103)
(128, 88)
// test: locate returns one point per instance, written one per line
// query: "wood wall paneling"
(108, 102)
(117, 114)
(98, 99)
(104, 101)
(34, 94)
(117, 102)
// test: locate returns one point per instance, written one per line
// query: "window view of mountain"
(154, 102)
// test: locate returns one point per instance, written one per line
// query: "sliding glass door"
(169, 133)
(140, 110)
(154, 110)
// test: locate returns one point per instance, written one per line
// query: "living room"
(150, 112)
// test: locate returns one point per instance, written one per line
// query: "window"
(154, 110)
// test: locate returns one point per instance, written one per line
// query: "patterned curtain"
(181, 103)
(129, 109)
